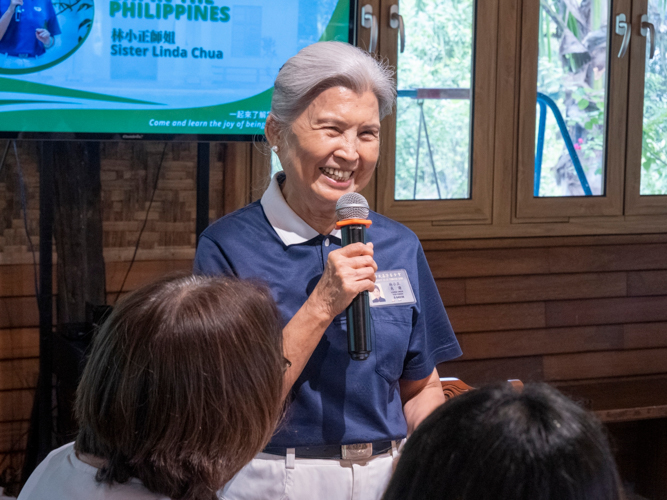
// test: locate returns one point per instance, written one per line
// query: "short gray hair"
(324, 65)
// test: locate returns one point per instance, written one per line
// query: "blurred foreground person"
(182, 388)
(495, 443)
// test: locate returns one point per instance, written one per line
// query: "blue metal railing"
(543, 101)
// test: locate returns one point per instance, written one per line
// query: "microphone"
(17, 13)
(352, 212)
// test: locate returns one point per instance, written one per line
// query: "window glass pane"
(571, 85)
(654, 140)
(433, 116)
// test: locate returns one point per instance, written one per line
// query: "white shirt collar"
(291, 228)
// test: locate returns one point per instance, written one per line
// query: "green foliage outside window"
(572, 71)
(438, 54)
(654, 139)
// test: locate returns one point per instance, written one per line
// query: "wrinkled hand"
(42, 34)
(349, 271)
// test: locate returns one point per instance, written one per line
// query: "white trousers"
(273, 477)
(11, 62)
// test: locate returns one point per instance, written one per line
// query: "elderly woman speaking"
(346, 418)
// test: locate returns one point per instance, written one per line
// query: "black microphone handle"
(358, 312)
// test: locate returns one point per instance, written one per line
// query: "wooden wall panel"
(453, 292)
(128, 172)
(531, 342)
(644, 335)
(18, 373)
(605, 364)
(606, 311)
(575, 310)
(545, 242)
(18, 312)
(495, 262)
(260, 170)
(607, 258)
(17, 343)
(142, 272)
(13, 239)
(237, 181)
(487, 262)
(545, 287)
(16, 405)
(647, 283)
(475, 373)
(537, 342)
(13, 436)
(627, 392)
(17, 280)
(486, 318)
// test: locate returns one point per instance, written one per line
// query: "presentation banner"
(153, 66)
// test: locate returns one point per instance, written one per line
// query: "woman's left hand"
(420, 398)
(43, 36)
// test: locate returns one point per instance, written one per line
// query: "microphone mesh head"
(352, 206)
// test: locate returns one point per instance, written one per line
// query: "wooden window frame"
(609, 204)
(478, 208)
(635, 203)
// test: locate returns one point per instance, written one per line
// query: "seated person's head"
(183, 385)
(495, 443)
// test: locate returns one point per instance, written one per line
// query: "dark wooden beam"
(203, 159)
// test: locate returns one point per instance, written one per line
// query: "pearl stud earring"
(274, 149)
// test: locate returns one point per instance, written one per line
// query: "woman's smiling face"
(332, 149)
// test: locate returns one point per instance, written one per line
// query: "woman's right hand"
(349, 271)
(15, 3)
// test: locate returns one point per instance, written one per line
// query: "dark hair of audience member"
(183, 385)
(495, 443)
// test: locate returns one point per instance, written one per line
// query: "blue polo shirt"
(20, 39)
(336, 400)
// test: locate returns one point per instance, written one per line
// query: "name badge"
(392, 288)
